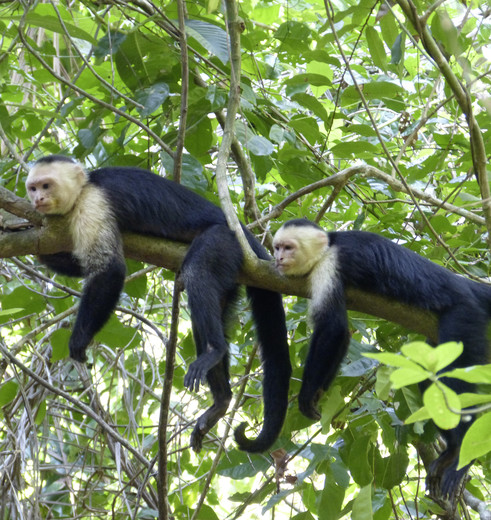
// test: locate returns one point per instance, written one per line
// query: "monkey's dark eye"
(45, 186)
(288, 248)
(32, 188)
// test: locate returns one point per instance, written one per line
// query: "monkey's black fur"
(146, 203)
(372, 263)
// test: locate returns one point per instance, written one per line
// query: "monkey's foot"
(446, 484)
(308, 405)
(310, 410)
(78, 354)
(207, 420)
(197, 439)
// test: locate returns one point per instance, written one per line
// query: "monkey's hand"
(77, 352)
(198, 369)
(195, 375)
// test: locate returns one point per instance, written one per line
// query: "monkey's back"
(143, 202)
(373, 263)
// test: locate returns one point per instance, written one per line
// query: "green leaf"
(438, 398)
(359, 465)
(468, 399)
(362, 505)
(41, 413)
(152, 98)
(397, 50)
(45, 16)
(239, 465)
(408, 376)
(331, 498)
(475, 374)
(433, 358)
(257, 145)
(23, 298)
(390, 471)
(211, 37)
(477, 441)
(8, 392)
(312, 104)
(59, 344)
(376, 47)
(420, 415)
(391, 359)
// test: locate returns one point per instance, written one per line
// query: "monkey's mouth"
(282, 268)
(43, 208)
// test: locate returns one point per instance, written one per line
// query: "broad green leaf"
(393, 360)
(376, 48)
(468, 399)
(45, 16)
(362, 505)
(390, 471)
(420, 415)
(41, 413)
(312, 104)
(397, 50)
(331, 405)
(331, 498)
(438, 398)
(433, 358)
(238, 466)
(210, 36)
(359, 464)
(477, 441)
(152, 98)
(475, 374)
(8, 391)
(59, 344)
(408, 376)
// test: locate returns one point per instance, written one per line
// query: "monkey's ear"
(321, 238)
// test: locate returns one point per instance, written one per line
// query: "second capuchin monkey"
(334, 261)
(102, 204)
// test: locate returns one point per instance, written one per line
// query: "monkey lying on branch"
(102, 204)
(335, 261)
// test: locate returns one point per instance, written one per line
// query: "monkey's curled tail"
(269, 317)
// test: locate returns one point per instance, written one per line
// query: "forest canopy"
(358, 115)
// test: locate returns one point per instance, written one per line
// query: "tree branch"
(170, 254)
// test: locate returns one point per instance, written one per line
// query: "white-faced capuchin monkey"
(336, 260)
(102, 204)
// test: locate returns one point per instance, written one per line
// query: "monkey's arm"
(328, 347)
(99, 298)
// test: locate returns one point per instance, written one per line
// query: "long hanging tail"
(269, 317)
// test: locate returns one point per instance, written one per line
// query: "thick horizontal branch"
(170, 254)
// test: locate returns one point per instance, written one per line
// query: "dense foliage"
(356, 114)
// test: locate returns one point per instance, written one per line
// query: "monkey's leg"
(222, 394)
(467, 324)
(209, 273)
(328, 347)
(99, 297)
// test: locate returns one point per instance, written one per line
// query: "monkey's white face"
(53, 188)
(297, 249)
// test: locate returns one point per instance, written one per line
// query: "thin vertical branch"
(163, 484)
(184, 91)
(234, 28)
